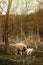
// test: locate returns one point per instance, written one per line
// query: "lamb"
(29, 51)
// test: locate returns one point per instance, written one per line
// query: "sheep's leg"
(30, 53)
(27, 53)
(21, 52)
(15, 53)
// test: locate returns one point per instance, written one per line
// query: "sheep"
(29, 51)
(20, 48)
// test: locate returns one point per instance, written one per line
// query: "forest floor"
(11, 59)
(20, 60)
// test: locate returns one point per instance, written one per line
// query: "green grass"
(38, 54)
(10, 60)
(19, 60)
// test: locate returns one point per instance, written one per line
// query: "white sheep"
(20, 48)
(29, 51)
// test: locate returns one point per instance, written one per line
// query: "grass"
(38, 54)
(20, 59)
(9, 62)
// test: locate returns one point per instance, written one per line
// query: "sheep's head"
(24, 48)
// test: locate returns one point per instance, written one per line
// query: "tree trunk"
(6, 38)
(6, 28)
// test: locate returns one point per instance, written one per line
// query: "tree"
(3, 9)
(6, 28)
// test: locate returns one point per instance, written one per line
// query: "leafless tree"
(6, 27)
